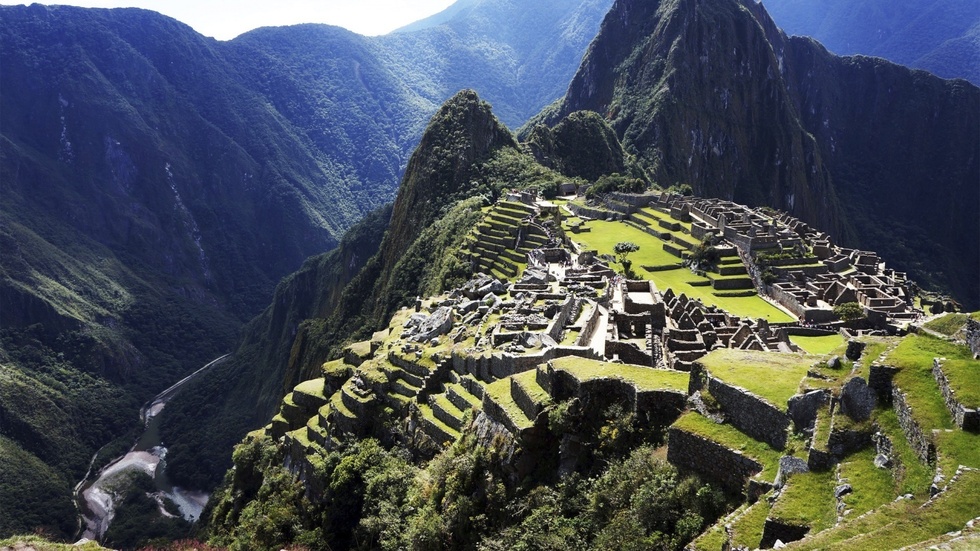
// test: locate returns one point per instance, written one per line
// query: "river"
(96, 498)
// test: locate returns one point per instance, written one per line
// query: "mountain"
(155, 185)
(520, 66)
(465, 155)
(939, 36)
(715, 95)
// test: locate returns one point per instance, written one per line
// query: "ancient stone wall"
(595, 214)
(964, 417)
(913, 432)
(524, 401)
(880, 380)
(628, 353)
(972, 331)
(730, 468)
(776, 530)
(732, 284)
(660, 407)
(568, 308)
(751, 414)
(633, 199)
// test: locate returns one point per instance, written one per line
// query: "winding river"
(96, 495)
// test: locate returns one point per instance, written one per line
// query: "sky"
(225, 20)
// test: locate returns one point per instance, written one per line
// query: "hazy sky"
(225, 20)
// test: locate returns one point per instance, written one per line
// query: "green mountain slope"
(714, 95)
(939, 36)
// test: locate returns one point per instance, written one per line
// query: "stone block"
(857, 399)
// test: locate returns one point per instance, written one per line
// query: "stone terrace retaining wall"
(730, 468)
(634, 199)
(749, 413)
(595, 214)
(964, 417)
(568, 308)
(657, 406)
(918, 439)
(973, 336)
(880, 380)
(628, 353)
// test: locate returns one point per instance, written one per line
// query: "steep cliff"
(713, 94)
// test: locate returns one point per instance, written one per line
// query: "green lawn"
(499, 392)
(645, 378)
(964, 380)
(772, 375)
(733, 439)
(914, 477)
(606, 234)
(528, 381)
(819, 345)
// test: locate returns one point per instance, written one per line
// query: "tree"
(623, 249)
(849, 311)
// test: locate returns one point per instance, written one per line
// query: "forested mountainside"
(157, 184)
(939, 36)
(714, 95)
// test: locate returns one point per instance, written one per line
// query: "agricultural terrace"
(819, 345)
(914, 356)
(774, 376)
(603, 236)
(644, 378)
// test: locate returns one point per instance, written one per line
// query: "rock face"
(713, 94)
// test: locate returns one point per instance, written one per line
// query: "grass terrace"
(807, 500)
(958, 447)
(772, 375)
(819, 345)
(964, 380)
(913, 356)
(645, 378)
(873, 487)
(903, 523)
(605, 235)
(732, 438)
(950, 324)
(913, 477)
(499, 392)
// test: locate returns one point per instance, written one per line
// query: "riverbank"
(97, 500)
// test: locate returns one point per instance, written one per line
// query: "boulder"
(854, 350)
(857, 399)
(789, 465)
(803, 408)
(834, 362)
(438, 323)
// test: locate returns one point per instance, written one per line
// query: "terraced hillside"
(562, 365)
